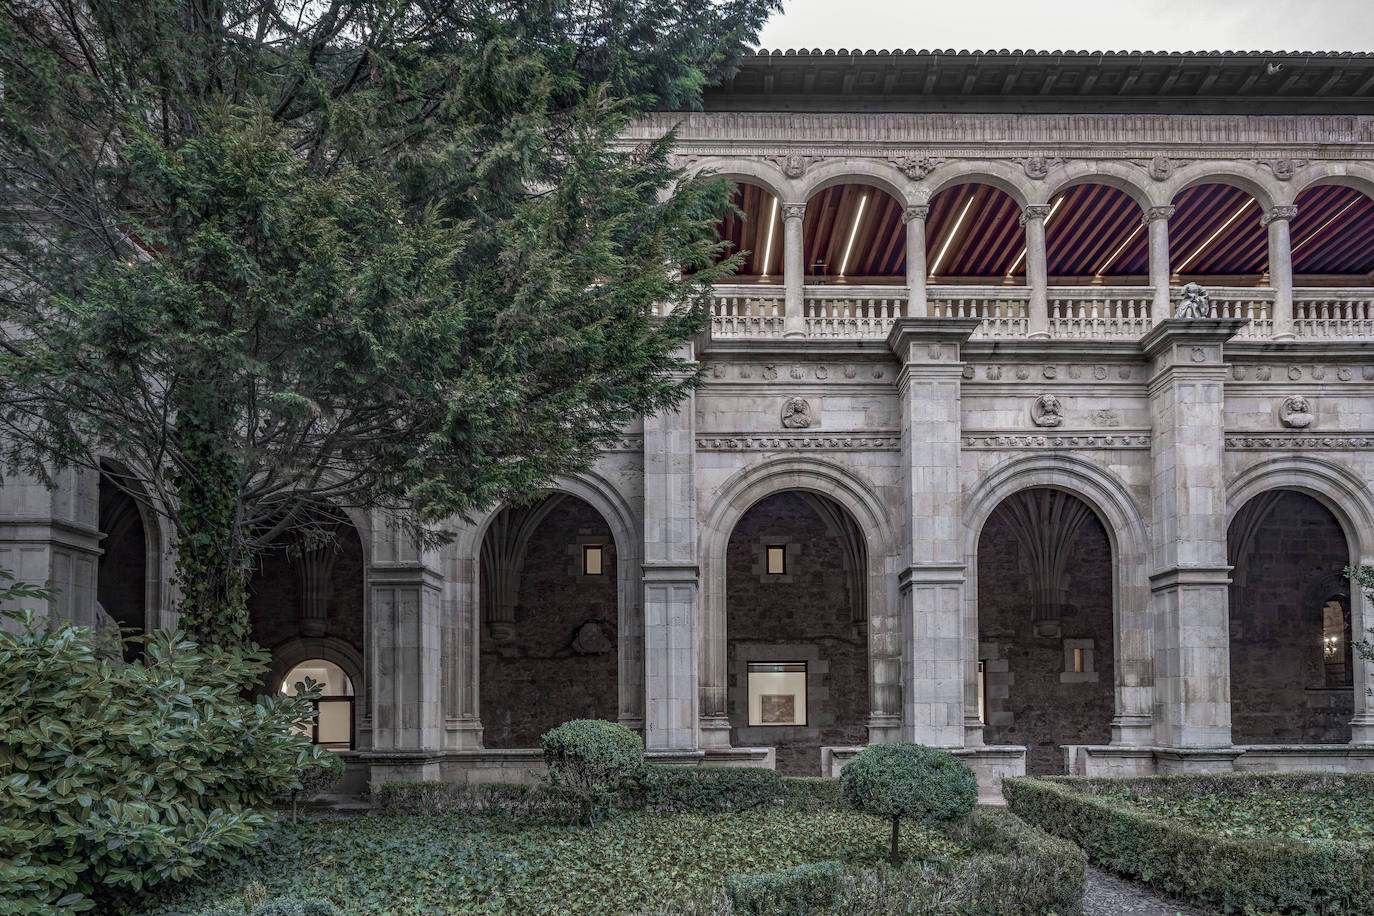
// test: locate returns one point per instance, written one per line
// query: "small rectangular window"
(777, 693)
(982, 691)
(777, 560)
(1078, 661)
(591, 560)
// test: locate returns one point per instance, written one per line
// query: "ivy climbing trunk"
(212, 562)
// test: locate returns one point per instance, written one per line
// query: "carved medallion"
(1296, 412)
(796, 414)
(1047, 411)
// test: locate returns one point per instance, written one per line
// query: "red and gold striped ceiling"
(1094, 231)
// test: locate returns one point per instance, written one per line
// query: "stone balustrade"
(1075, 312)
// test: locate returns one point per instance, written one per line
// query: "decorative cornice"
(1299, 442)
(756, 443)
(1125, 440)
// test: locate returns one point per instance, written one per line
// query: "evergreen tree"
(285, 258)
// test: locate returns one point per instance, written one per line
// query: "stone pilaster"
(1189, 584)
(671, 581)
(915, 218)
(1156, 221)
(1361, 621)
(793, 270)
(1037, 277)
(1281, 268)
(932, 578)
(50, 537)
(404, 641)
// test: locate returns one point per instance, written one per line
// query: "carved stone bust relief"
(796, 414)
(1296, 412)
(1047, 411)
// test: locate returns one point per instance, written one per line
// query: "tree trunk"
(894, 856)
(211, 567)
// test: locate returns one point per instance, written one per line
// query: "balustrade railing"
(1332, 314)
(853, 312)
(1081, 313)
(1098, 312)
(747, 311)
(1001, 308)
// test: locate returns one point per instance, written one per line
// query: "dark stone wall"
(1292, 567)
(539, 679)
(812, 612)
(274, 599)
(1027, 702)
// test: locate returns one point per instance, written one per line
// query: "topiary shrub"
(589, 758)
(899, 781)
(118, 776)
(812, 888)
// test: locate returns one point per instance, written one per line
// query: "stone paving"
(1108, 895)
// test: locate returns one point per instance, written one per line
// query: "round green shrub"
(912, 781)
(590, 757)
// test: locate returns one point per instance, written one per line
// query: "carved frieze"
(1295, 373)
(1128, 440)
(804, 443)
(996, 373)
(1299, 441)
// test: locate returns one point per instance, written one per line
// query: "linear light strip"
(949, 239)
(1316, 232)
(1022, 256)
(844, 262)
(1115, 254)
(1212, 238)
(768, 246)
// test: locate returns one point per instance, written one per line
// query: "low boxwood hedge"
(811, 888)
(1261, 874)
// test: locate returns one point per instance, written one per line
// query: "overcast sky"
(1093, 25)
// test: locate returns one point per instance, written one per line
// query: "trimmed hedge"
(1271, 874)
(708, 790)
(795, 891)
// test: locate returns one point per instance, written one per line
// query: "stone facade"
(918, 410)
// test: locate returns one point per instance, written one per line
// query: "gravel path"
(1108, 895)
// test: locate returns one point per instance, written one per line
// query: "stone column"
(915, 218)
(1156, 221)
(1281, 268)
(1361, 620)
(932, 577)
(794, 270)
(315, 572)
(405, 635)
(50, 537)
(1033, 218)
(670, 589)
(1189, 586)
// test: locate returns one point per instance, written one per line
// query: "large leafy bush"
(119, 776)
(909, 781)
(589, 758)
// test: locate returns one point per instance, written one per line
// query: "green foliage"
(278, 906)
(425, 866)
(120, 776)
(812, 793)
(498, 798)
(357, 254)
(706, 790)
(909, 781)
(1245, 870)
(802, 889)
(589, 758)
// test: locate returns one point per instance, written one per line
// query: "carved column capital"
(915, 212)
(793, 211)
(1157, 213)
(1275, 214)
(1036, 211)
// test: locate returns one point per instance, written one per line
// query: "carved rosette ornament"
(1035, 211)
(794, 165)
(1037, 167)
(1283, 169)
(793, 211)
(796, 414)
(1160, 168)
(1157, 213)
(915, 212)
(1279, 213)
(1296, 412)
(1047, 411)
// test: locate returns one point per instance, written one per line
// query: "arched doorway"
(1045, 626)
(1290, 622)
(796, 628)
(122, 571)
(550, 636)
(335, 721)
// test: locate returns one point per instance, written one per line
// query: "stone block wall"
(805, 615)
(1033, 697)
(561, 663)
(1288, 570)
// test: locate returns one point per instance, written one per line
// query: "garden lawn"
(385, 865)
(1259, 813)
